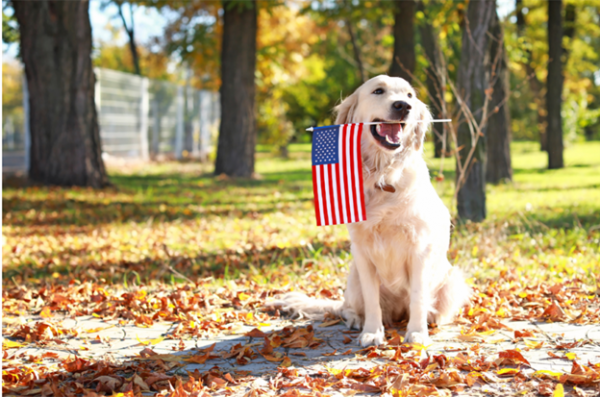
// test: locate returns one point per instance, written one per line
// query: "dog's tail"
(304, 306)
(454, 294)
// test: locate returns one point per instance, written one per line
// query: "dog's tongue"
(390, 131)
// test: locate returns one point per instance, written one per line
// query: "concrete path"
(108, 340)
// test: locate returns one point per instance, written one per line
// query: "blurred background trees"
(309, 55)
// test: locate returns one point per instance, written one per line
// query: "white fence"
(138, 117)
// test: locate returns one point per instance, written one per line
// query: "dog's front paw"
(419, 337)
(372, 338)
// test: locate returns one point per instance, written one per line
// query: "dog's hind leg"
(354, 305)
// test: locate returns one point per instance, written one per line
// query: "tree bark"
(237, 134)
(498, 167)
(535, 85)
(472, 84)
(435, 80)
(56, 46)
(404, 58)
(554, 85)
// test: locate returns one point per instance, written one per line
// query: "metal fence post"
(144, 108)
(26, 127)
(204, 124)
(180, 127)
(155, 127)
(98, 91)
(196, 126)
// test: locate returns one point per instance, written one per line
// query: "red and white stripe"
(338, 188)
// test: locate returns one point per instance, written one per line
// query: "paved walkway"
(97, 339)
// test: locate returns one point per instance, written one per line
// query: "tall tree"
(498, 165)
(56, 46)
(472, 85)
(435, 78)
(404, 58)
(237, 134)
(554, 85)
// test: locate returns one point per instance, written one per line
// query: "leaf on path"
(525, 333)
(92, 330)
(108, 383)
(329, 323)
(554, 312)
(140, 382)
(287, 362)
(559, 391)
(513, 356)
(531, 344)
(46, 312)
(276, 357)
(151, 341)
(9, 344)
(256, 333)
(508, 371)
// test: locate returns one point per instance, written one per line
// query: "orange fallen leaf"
(287, 362)
(329, 323)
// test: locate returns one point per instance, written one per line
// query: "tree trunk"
(404, 59)
(435, 80)
(237, 134)
(535, 85)
(499, 132)
(472, 84)
(56, 45)
(554, 85)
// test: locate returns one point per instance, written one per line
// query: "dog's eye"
(409, 95)
(378, 91)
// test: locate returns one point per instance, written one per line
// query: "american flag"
(337, 175)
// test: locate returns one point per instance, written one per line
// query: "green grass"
(178, 216)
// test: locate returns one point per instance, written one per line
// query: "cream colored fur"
(400, 266)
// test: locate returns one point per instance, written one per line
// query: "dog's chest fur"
(388, 237)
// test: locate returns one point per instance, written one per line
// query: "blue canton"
(325, 145)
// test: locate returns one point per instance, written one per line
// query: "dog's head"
(390, 99)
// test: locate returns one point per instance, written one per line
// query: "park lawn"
(175, 221)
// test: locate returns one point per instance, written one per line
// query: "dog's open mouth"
(388, 135)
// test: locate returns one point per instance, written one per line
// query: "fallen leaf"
(329, 323)
(286, 362)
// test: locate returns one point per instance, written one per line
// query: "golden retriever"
(400, 266)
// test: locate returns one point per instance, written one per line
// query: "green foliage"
(10, 29)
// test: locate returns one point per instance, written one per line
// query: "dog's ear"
(422, 127)
(345, 110)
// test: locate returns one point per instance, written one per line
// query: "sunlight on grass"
(178, 216)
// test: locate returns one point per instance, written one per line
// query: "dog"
(400, 268)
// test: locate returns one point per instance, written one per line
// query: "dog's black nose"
(401, 108)
(401, 105)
